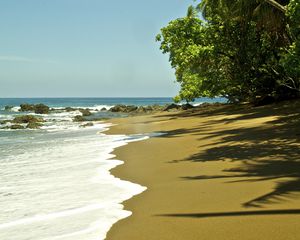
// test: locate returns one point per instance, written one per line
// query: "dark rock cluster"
(149, 109)
(85, 112)
(27, 119)
(78, 118)
(70, 109)
(36, 108)
(123, 108)
(32, 122)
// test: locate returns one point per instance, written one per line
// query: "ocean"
(56, 181)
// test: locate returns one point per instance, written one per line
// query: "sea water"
(55, 181)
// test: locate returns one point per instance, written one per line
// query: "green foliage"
(184, 40)
(291, 55)
(244, 50)
(293, 13)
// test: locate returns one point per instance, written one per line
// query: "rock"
(33, 125)
(150, 108)
(5, 121)
(38, 108)
(187, 106)
(78, 118)
(157, 107)
(141, 109)
(124, 108)
(154, 107)
(118, 108)
(87, 125)
(131, 108)
(25, 107)
(135, 109)
(41, 109)
(172, 107)
(8, 107)
(70, 109)
(27, 119)
(16, 126)
(144, 109)
(85, 112)
(104, 109)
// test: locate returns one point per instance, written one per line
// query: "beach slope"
(219, 172)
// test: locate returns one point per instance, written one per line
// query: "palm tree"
(191, 12)
(268, 14)
(239, 6)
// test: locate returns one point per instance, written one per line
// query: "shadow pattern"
(233, 214)
(266, 170)
(271, 151)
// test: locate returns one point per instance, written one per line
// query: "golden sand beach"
(219, 172)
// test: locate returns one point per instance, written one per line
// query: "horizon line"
(86, 97)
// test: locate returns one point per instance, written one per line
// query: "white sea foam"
(100, 107)
(193, 104)
(56, 181)
(6, 117)
(51, 216)
(15, 109)
(58, 185)
(197, 104)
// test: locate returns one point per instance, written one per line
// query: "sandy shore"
(218, 173)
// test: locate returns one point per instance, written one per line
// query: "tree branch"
(277, 5)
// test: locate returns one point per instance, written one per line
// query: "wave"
(13, 109)
(64, 180)
(100, 107)
(39, 218)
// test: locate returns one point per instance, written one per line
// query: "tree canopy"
(243, 50)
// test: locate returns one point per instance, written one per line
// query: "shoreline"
(208, 177)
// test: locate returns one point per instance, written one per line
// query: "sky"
(86, 48)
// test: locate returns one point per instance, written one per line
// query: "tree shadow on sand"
(287, 171)
(233, 214)
(271, 151)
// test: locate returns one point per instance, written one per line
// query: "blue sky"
(85, 48)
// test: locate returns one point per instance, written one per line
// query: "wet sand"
(223, 172)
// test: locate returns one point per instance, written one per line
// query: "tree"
(244, 50)
(291, 57)
(184, 40)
